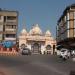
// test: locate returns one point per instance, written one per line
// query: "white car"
(73, 52)
(64, 53)
(58, 52)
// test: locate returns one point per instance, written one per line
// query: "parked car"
(58, 52)
(64, 53)
(26, 51)
(73, 53)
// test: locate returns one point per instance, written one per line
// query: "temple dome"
(36, 30)
(47, 33)
(30, 32)
(24, 31)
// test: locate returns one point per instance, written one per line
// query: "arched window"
(48, 47)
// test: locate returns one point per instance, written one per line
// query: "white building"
(36, 40)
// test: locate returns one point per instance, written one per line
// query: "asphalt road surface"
(35, 65)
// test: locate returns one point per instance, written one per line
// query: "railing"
(10, 29)
(10, 20)
(11, 23)
(10, 38)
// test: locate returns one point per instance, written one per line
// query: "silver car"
(26, 51)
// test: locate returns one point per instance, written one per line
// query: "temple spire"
(24, 31)
(24, 25)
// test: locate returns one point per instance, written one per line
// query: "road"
(35, 65)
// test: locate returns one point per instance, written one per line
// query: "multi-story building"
(66, 28)
(8, 25)
(37, 41)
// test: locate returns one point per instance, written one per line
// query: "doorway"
(36, 48)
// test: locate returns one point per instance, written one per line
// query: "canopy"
(8, 44)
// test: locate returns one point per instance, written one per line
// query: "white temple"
(36, 40)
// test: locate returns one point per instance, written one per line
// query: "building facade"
(66, 28)
(8, 31)
(36, 40)
(8, 25)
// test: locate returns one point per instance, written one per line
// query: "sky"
(43, 12)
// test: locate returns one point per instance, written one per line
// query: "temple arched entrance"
(36, 48)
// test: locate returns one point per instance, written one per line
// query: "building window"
(0, 36)
(67, 33)
(57, 27)
(65, 18)
(68, 16)
(11, 26)
(11, 17)
(0, 17)
(74, 27)
(1, 27)
(68, 24)
(4, 18)
(14, 26)
(74, 15)
(74, 24)
(10, 35)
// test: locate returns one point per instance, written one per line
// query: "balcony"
(10, 20)
(11, 23)
(13, 30)
(10, 38)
